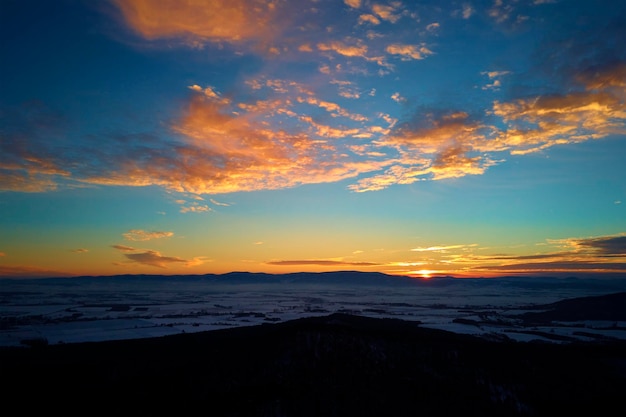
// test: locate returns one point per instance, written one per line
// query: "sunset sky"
(464, 138)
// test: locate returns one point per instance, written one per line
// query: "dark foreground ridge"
(337, 365)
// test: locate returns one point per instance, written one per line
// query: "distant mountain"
(353, 278)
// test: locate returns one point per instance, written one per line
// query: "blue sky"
(460, 138)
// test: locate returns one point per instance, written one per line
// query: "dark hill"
(338, 365)
(611, 307)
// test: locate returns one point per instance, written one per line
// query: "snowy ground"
(72, 311)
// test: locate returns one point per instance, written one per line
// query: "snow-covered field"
(96, 309)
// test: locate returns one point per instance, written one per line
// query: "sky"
(462, 138)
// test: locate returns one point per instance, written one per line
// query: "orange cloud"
(154, 258)
(358, 50)
(142, 235)
(28, 271)
(124, 248)
(370, 18)
(539, 123)
(386, 12)
(409, 51)
(17, 179)
(232, 21)
(353, 3)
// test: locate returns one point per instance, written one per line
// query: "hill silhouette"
(334, 365)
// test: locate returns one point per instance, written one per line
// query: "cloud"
(195, 208)
(80, 250)
(142, 235)
(341, 48)
(320, 263)
(154, 258)
(369, 18)
(124, 248)
(28, 162)
(409, 51)
(561, 266)
(353, 3)
(217, 203)
(386, 12)
(3, 254)
(197, 22)
(440, 248)
(605, 245)
(599, 254)
(500, 12)
(27, 271)
(495, 77)
(539, 123)
(437, 146)
(433, 27)
(468, 11)
(397, 97)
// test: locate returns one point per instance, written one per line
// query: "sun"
(424, 273)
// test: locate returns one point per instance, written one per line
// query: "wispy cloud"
(409, 51)
(599, 254)
(80, 250)
(143, 235)
(124, 248)
(154, 258)
(356, 49)
(27, 271)
(440, 248)
(218, 203)
(195, 207)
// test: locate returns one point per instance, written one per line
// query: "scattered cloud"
(369, 18)
(605, 245)
(358, 49)
(195, 208)
(124, 248)
(409, 51)
(468, 11)
(27, 271)
(154, 258)
(196, 23)
(386, 12)
(142, 235)
(432, 27)
(599, 254)
(440, 248)
(80, 250)
(398, 97)
(217, 203)
(353, 3)
(495, 77)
